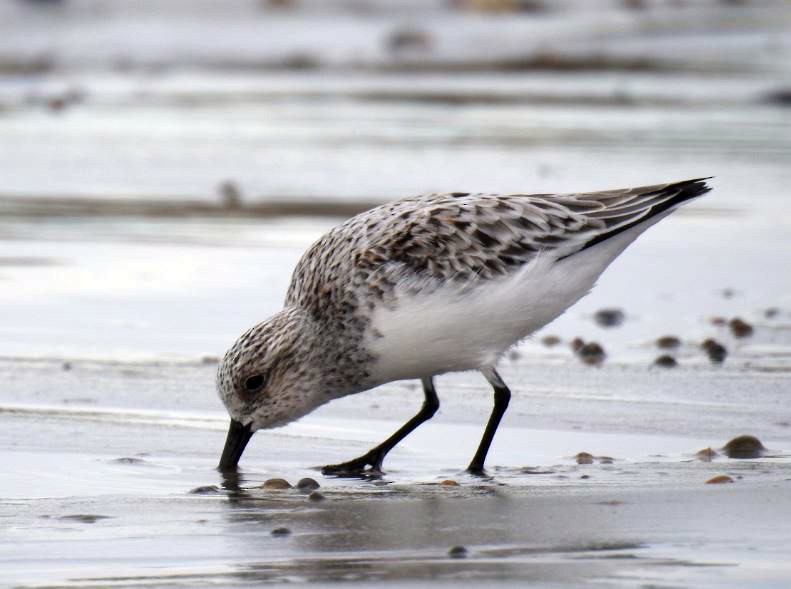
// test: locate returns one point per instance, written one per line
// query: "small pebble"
(771, 312)
(719, 479)
(592, 354)
(585, 476)
(281, 532)
(584, 458)
(84, 518)
(66, 366)
(744, 447)
(550, 341)
(514, 355)
(740, 328)
(206, 490)
(706, 455)
(609, 317)
(666, 361)
(714, 350)
(668, 342)
(449, 483)
(276, 484)
(606, 460)
(458, 552)
(230, 195)
(577, 344)
(307, 484)
(727, 293)
(316, 496)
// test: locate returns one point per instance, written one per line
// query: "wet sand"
(125, 273)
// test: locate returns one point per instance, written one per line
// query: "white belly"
(448, 331)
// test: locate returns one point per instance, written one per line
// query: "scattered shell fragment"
(719, 479)
(668, 342)
(666, 361)
(307, 484)
(458, 552)
(744, 447)
(740, 328)
(706, 455)
(449, 483)
(276, 484)
(584, 458)
(281, 532)
(550, 341)
(609, 317)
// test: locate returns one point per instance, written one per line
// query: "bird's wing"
(459, 236)
(464, 238)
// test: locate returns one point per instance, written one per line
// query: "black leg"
(375, 456)
(501, 397)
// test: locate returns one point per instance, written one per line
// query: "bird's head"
(267, 379)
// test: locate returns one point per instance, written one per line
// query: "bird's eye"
(255, 383)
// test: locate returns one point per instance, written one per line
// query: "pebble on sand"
(609, 317)
(458, 552)
(584, 458)
(706, 455)
(230, 195)
(276, 484)
(307, 484)
(592, 353)
(281, 532)
(744, 447)
(719, 479)
(666, 361)
(668, 342)
(205, 490)
(550, 341)
(449, 483)
(316, 496)
(771, 312)
(715, 350)
(577, 344)
(740, 328)
(606, 459)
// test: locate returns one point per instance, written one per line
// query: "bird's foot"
(357, 468)
(478, 471)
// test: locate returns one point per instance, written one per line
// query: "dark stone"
(281, 532)
(609, 317)
(666, 361)
(307, 484)
(744, 447)
(458, 552)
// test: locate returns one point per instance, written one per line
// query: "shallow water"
(123, 277)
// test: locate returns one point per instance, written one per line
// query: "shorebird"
(424, 286)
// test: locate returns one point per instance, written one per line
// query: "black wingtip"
(686, 190)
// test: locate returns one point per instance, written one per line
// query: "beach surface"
(155, 197)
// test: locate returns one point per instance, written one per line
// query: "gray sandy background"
(164, 165)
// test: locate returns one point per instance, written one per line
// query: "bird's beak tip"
(236, 441)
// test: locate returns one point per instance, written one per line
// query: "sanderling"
(424, 286)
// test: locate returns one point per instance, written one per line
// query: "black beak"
(238, 436)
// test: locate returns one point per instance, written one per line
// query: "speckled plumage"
(349, 318)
